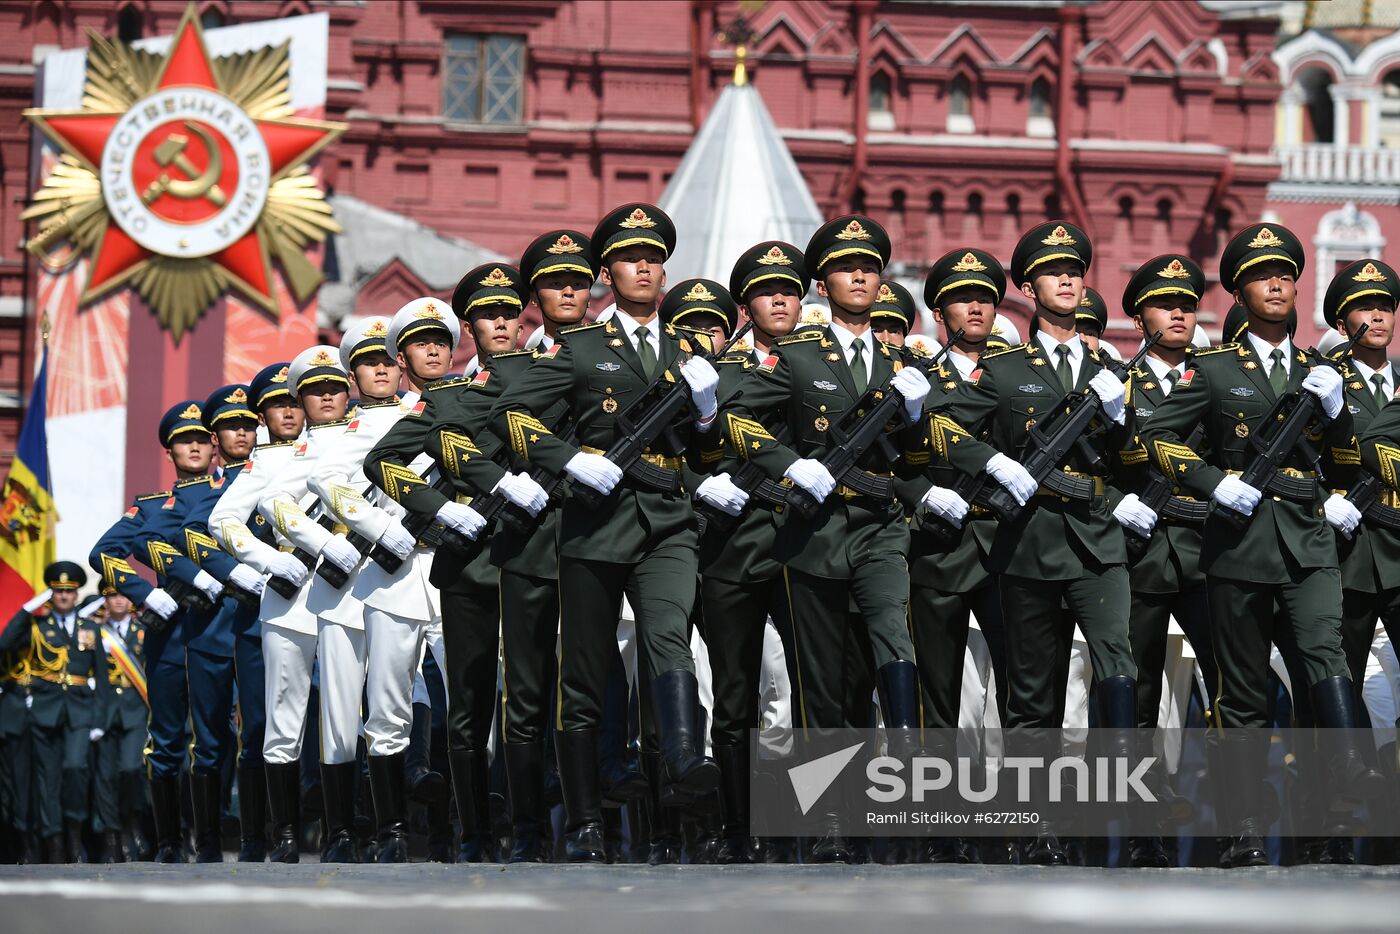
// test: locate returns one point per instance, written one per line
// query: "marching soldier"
(855, 546)
(19, 844)
(1285, 553)
(119, 788)
(893, 314)
(64, 706)
(1057, 552)
(640, 541)
(1164, 568)
(138, 533)
(950, 539)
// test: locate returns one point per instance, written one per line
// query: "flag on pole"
(27, 514)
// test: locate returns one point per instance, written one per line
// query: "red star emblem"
(186, 171)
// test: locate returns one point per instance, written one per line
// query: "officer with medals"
(1285, 555)
(1057, 552)
(846, 571)
(119, 788)
(1164, 567)
(141, 533)
(950, 541)
(66, 700)
(640, 541)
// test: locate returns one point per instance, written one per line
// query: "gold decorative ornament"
(638, 218)
(854, 231)
(969, 263)
(565, 244)
(1369, 273)
(774, 257)
(1059, 237)
(1174, 270)
(1265, 238)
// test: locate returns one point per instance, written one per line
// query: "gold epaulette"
(272, 444)
(338, 421)
(449, 382)
(1002, 353)
(192, 481)
(581, 327)
(379, 405)
(1207, 351)
(158, 494)
(735, 358)
(513, 353)
(797, 337)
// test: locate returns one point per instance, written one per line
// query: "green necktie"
(644, 351)
(859, 375)
(1063, 371)
(1172, 376)
(1378, 380)
(1278, 378)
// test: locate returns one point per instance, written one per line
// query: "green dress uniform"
(949, 575)
(65, 697)
(1286, 555)
(16, 761)
(640, 542)
(1370, 558)
(119, 785)
(1057, 553)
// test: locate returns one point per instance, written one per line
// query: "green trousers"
(471, 619)
(732, 623)
(1147, 627)
(529, 636)
(939, 624)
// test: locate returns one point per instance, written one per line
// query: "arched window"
(1040, 116)
(1013, 207)
(858, 201)
(129, 26)
(960, 105)
(974, 203)
(1052, 206)
(897, 199)
(881, 114)
(1390, 109)
(1316, 84)
(212, 18)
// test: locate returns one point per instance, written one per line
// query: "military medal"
(610, 405)
(821, 424)
(1242, 430)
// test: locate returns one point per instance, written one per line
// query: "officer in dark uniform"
(1091, 320)
(640, 541)
(140, 533)
(17, 843)
(847, 575)
(65, 697)
(1057, 553)
(893, 314)
(1164, 568)
(1286, 555)
(119, 788)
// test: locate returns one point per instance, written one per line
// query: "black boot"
(424, 785)
(737, 845)
(73, 842)
(688, 773)
(665, 821)
(284, 795)
(338, 792)
(252, 815)
(1147, 853)
(206, 792)
(1044, 849)
(134, 797)
(577, 752)
(55, 850)
(471, 786)
(165, 807)
(1335, 705)
(899, 705)
(525, 776)
(387, 783)
(949, 850)
(1236, 763)
(112, 851)
(832, 846)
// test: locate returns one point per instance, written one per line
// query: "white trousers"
(341, 653)
(287, 659)
(394, 649)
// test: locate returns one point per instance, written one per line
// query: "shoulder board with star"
(449, 383)
(581, 327)
(799, 337)
(158, 494)
(1001, 353)
(527, 352)
(273, 444)
(1212, 351)
(192, 481)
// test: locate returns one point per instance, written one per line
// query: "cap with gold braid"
(557, 251)
(893, 301)
(1363, 279)
(365, 337)
(270, 385)
(629, 225)
(961, 267)
(769, 261)
(316, 364)
(848, 235)
(699, 296)
(1171, 274)
(227, 403)
(1046, 242)
(490, 284)
(64, 575)
(425, 314)
(182, 418)
(1259, 243)
(1092, 313)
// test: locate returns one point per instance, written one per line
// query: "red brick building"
(1149, 123)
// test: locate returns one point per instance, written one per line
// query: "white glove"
(946, 504)
(341, 553)
(161, 603)
(463, 519)
(812, 477)
(89, 611)
(1015, 478)
(913, 386)
(1132, 514)
(720, 492)
(210, 587)
(95, 734)
(36, 601)
(285, 566)
(523, 492)
(1341, 515)
(397, 539)
(703, 382)
(1325, 383)
(246, 578)
(1110, 391)
(594, 471)
(1236, 494)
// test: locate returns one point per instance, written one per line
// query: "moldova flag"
(27, 515)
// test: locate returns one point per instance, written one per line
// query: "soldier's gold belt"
(660, 460)
(59, 677)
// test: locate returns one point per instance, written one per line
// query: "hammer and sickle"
(195, 184)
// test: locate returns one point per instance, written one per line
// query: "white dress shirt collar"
(846, 339)
(1076, 351)
(1263, 349)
